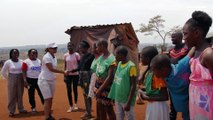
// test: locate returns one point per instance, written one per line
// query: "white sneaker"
(75, 107)
(33, 110)
(70, 110)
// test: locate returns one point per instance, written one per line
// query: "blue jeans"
(120, 113)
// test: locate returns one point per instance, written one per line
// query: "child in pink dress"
(201, 78)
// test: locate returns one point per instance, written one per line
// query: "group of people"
(184, 75)
(33, 74)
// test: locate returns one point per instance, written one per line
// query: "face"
(99, 49)
(189, 36)
(82, 49)
(70, 47)
(53, 50)
(118, 57)
(175, 39)
(15, 54)
(144, 59)
(33, 54)
(94, 50)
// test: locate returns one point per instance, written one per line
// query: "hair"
(11, 51)
(102, 42)
(84, 44)
(150, 51)
(121, 50)
(30, 50)
(160, 61)
(179, 34)
(200, 20)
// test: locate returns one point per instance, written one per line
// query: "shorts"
(47, 88)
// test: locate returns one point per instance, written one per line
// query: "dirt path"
(60, 105)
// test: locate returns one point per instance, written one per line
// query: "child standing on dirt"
(104, 104)
(156, 91)
(123, 89)
(177, 79)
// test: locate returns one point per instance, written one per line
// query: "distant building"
(115, 34)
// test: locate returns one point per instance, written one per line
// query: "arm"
(4, 70)
(24, 71)
(162, 96)
(191, 52)
(65, 63)
(132, 88)
(207, 60)
(50, 67)
(142, 73)
(108, 80)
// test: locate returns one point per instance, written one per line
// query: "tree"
(156, 25)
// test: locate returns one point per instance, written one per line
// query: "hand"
(98, 92)
(72, 71)
(66, 72)
(191, 52)
(25, 84)
(95, 90)
(127, 107)
(142, 94)
(139, 95)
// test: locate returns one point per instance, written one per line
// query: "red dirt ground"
(60, 105)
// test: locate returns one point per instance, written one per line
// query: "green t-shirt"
(103, 65)
(94, 64)
(120, 89)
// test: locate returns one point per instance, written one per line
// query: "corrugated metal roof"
(94, 26)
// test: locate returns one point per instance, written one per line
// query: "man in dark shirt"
(176, 53)
(84, 70)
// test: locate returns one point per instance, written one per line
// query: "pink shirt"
(71, 61)
(199, 72)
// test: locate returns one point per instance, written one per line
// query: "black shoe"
(11, 114)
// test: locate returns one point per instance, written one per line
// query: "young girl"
(201, 80)
(11, 71)
(71, 60)
(156, 91)
(93, 69)
(123, 89)
(177, 79)
(31, 69)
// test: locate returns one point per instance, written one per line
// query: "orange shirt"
(158, 83)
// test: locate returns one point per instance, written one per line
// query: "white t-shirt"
(11, 67)
(71, 61)
(33, 68)
(46, 74)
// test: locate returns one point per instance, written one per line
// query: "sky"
(35, 22)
